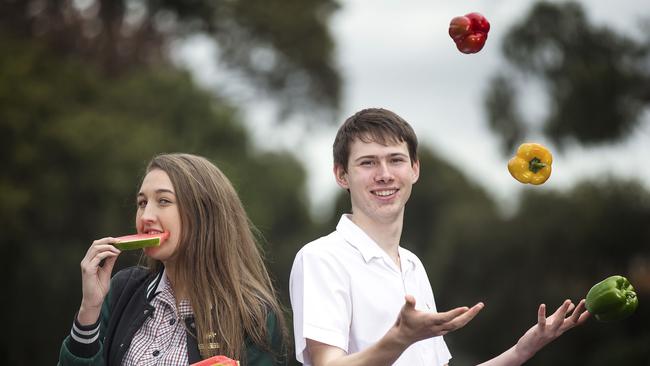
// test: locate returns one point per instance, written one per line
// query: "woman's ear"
(341, 176)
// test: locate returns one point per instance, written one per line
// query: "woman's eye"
(164, 201)
(141, 203)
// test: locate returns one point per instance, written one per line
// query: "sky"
(398, 55)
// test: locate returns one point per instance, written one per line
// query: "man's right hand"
(415, 325)
(411, 326)
(96, 269)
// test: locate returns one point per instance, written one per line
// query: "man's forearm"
(385, 352)
(511, 357)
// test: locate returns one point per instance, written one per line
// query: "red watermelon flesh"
(139, 241)
(217, 361)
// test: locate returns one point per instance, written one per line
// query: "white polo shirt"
(347, 292)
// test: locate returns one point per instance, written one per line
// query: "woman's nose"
(148, 213)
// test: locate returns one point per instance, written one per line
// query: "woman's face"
(158, 212)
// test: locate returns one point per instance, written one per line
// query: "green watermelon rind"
(135, 243)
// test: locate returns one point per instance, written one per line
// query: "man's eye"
(366, 162)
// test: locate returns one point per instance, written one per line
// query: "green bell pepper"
(612, 299)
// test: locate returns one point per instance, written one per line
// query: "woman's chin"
(152, 252)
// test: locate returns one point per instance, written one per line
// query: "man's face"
(379, 178)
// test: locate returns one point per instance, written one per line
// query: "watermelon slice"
(217, 361)
(139, 241)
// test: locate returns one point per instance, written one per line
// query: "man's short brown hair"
(373, 125)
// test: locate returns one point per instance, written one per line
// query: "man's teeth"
(384, 193)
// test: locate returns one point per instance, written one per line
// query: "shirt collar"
(157, 285)
(368, 248)
(356, 237)
(409, 261)
(160, 285)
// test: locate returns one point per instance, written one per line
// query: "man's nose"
(384, 174)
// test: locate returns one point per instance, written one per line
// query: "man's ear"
(416, 171)
(341, 176)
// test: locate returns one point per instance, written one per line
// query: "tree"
(443, 199)
(75, 145)
(88, 94)
(598, 81)
(556, 246)
(282, 46)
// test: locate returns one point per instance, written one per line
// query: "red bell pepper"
(469, 32)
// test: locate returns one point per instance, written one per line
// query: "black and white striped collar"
(157, 285)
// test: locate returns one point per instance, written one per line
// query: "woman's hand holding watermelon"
(96, 269)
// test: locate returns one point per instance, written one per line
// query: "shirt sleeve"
(320, 299)
(82, 346)
(84, 340)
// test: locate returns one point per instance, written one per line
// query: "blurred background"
(90, 90)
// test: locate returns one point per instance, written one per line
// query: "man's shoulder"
(329, 257)
(330, 243)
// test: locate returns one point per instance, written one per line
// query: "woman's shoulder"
(131, 273)
(275, 351)
(131, 277)
(271, 319)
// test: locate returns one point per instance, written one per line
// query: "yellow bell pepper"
(532, 164)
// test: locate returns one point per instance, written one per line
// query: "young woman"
(205, 290)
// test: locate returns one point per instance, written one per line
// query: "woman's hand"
(96, 269)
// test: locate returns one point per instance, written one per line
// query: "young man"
(358, 298)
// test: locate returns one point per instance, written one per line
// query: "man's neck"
(386, 234)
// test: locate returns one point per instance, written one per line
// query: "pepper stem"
(535, 165)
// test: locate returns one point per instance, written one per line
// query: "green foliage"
(503, 115)
(442, 201)
(76, 144)
(88, 96)
(561, 243)
(79, 120)
(597, 80)
(557, 246)
(274, 190)
(283, 47)
(270, 38)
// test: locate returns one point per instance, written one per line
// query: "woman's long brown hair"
(218, 259)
